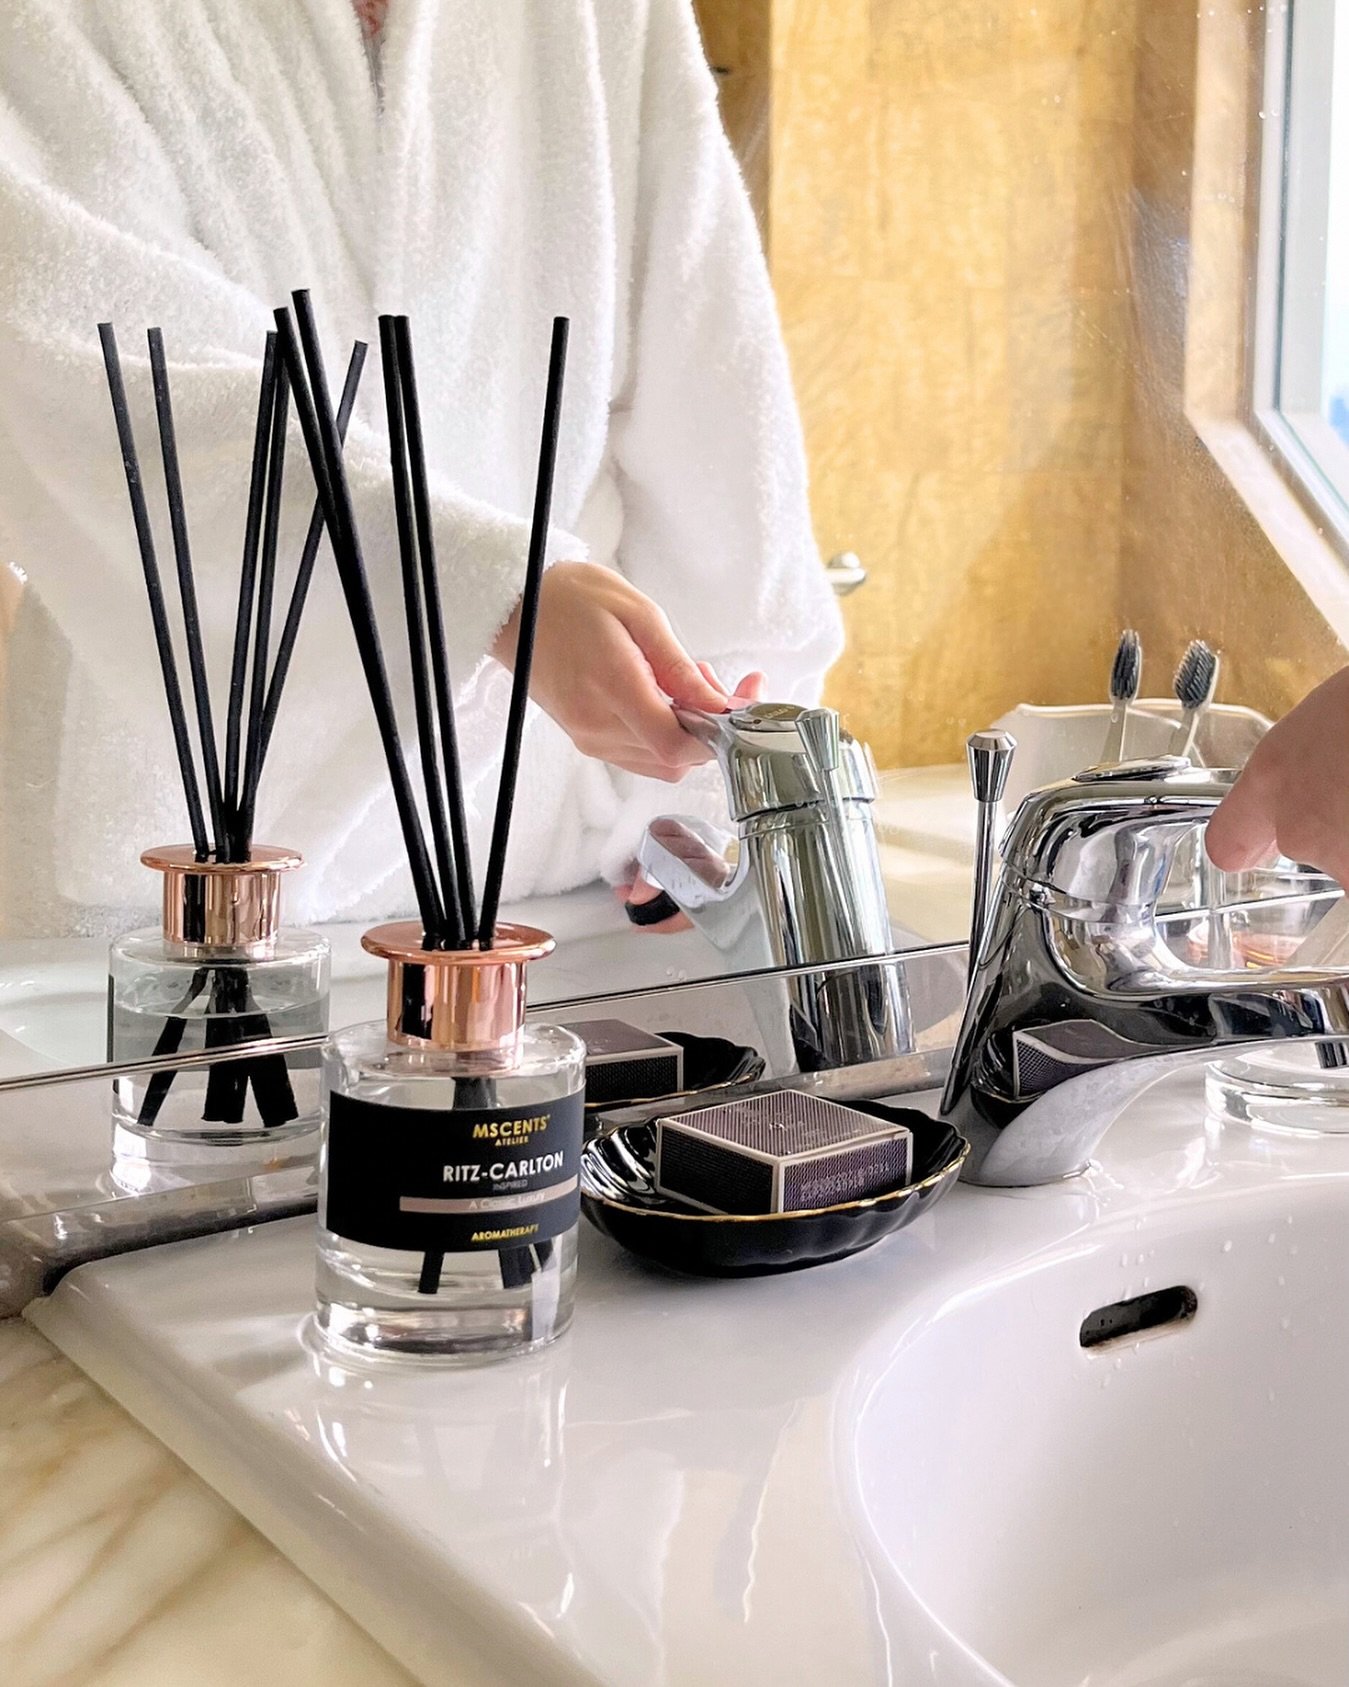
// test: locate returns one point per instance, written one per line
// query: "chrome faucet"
(1078, 1004)
(801, 883)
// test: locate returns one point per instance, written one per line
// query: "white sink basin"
(1171, 1511)
(900, 1469)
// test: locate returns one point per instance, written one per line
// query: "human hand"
(607, 667)
(642, 890)
(1294, 792)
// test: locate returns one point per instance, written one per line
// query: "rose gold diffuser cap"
(469, 1000)
(222, 904)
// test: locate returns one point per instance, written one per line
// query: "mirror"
(1023, 256)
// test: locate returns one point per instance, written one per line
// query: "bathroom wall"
(976, 219)
(946, 207)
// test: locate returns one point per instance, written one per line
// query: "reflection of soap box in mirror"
(624, 1063)
(779, 1153)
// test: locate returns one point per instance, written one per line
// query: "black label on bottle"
(471, 1178)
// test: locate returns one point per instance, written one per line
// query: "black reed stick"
(170, 1037)
(226, 1098)
(517, 1265)
(248, 573)
(304, 574)
(449, 931)
(196, 658)
(524, 649)
(435, 623)
(325, 455)
(154, 589)
(276, 470)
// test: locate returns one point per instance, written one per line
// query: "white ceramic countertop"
(671, 1495)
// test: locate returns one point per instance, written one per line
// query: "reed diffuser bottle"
(221, 972)
(449, 1199)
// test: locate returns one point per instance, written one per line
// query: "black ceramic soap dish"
(619, 1196)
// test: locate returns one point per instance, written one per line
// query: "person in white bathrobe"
(480, 165)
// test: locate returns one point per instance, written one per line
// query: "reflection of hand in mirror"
(607, 666)
(1294, 792)
(688, 843)
(641, 891)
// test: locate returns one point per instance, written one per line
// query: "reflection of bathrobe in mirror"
(189, 164)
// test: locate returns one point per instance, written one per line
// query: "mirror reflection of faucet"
(800, 882)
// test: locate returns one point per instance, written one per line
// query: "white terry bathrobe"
(187, 164)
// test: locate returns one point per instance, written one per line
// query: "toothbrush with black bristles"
(1126, 675)
(1196, 683)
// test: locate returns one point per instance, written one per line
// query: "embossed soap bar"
(784, 1152)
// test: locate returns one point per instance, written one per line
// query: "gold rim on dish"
(761, 1218)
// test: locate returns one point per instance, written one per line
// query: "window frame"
(1285, 375)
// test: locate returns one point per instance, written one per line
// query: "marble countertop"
(119, 1566)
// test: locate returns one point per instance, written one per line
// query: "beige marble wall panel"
(981, 249)
(949, 198)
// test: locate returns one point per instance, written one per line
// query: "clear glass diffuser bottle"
(449, 1196)
(221, 971)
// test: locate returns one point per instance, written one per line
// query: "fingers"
(647, 769)
(643, 891)
(1292, 792)
(750, 689)
(709, 673)
(650, 723)
(676, 673)
(1242, 832)
(663, 741)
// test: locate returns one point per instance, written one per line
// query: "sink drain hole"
(1135, 1317)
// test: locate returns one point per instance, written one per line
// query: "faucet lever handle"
(990, 755)
(819, 729)
(707, 728)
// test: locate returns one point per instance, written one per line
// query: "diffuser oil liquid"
(449, 1196)
(171, 998)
